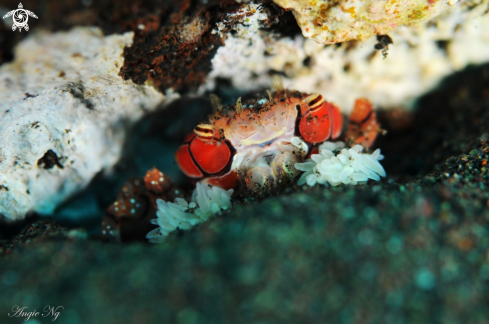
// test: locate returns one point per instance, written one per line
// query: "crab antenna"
(277, 83)
(239, 106)
(270, 97)
(215, 102)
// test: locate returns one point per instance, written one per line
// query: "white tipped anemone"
(348, 166)
(206, 201)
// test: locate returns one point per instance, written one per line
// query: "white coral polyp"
(206, 201)
(348, 166)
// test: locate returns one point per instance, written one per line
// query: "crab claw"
(363, 126)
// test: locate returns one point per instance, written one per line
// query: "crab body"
(256, 144)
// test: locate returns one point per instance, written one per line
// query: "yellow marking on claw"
(204, 131)
(314, 101)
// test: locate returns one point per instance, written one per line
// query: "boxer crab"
(259, 147)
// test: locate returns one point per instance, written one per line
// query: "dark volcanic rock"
(378, 254)
(177, 57)
(35, 233)
(448, 122)
(177, 54)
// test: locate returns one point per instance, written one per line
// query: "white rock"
(63, 93)
(336, 21)
(415, 64)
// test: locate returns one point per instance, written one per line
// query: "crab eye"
(211, 157)
(204, 131)
(321, 122)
